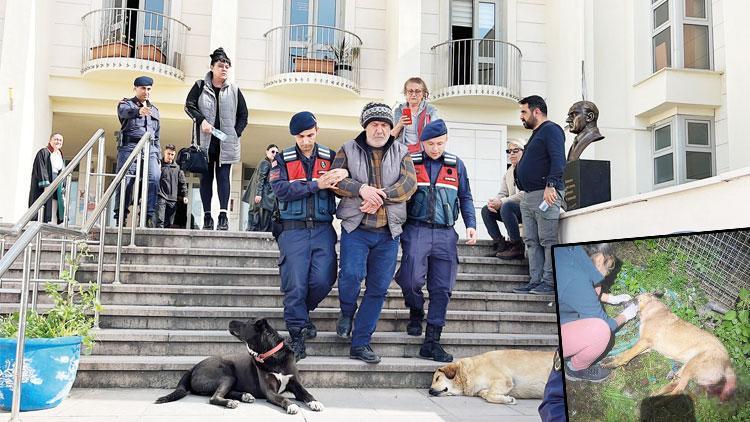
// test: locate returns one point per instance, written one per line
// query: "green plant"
(734, 330)
(72, 313)
(344, 53)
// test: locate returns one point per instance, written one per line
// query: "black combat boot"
(208, 221)
(297, 343)
(344, 326)
(431, 348)
(223, 222)
(414, 328)
(310, 330)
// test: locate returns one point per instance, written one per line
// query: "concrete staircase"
(181, 288)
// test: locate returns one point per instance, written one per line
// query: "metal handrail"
(477, 39)
(33, 232)
(304, 25)
(52, 188)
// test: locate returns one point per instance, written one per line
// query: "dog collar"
(264, 356)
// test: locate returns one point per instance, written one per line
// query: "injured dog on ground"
(500, 376)
(704, 359)
(265, 371)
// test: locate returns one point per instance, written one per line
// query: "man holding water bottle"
(539, 174)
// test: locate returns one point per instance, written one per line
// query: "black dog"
(243, 377)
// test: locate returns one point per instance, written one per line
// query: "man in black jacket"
(171, 185)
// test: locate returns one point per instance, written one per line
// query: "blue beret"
(143, 81)
(302, 121)
(433, 129)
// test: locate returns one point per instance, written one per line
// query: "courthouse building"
(670, 79)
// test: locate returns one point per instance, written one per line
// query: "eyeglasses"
(513, 151)
(273, 152)
(414, 91)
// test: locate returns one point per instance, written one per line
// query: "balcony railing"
(477, 67)
(313, 54)
(133, 39)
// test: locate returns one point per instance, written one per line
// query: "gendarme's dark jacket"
(172, 182)
(133, 125)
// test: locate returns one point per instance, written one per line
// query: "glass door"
(488, 54)
(306, 42)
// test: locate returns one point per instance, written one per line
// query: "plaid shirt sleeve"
(347, 187)
(406, 184)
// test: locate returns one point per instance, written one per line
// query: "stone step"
(201, 239)
(272, 297)
(239, 276)
(393, 320)
(183, 257)
(106, 371)
(134, 342)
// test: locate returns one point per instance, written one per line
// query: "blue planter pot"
(49, 370)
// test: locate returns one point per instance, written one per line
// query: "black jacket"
(172, 182)
(41, 177)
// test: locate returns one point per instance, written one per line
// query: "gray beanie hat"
(376, 112)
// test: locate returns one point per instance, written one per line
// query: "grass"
(620, 397)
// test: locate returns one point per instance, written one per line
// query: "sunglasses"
(513, 151)
(273, 152)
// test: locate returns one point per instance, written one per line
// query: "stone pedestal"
(587, 182)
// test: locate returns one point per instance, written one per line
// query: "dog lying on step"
(498, 377)
(704, 358)
(265, 371)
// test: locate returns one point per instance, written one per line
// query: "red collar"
(261, 358)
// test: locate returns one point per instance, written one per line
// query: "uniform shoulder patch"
(416, 157)
(450, 159)
(324, 152)
(289, 154)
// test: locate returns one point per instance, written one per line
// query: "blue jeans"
(307, 263)
(223, 172)
(429, 255)
(154, 174)
(540, 234)
(510, 215)
(371, 256)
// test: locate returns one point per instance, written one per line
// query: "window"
(681, 34)
(682, 150)
(476, 26)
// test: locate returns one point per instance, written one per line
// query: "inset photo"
(656, 328)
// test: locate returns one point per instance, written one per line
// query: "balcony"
(133, 40)
(312, 55)
(476, 71)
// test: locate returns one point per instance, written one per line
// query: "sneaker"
(344, 326)
(208, 221)
(364, 353)
(310, 331)
(223, 223)
(594, 373)
(527, 288)
(543, 289)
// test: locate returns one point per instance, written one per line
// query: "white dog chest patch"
(283, 380)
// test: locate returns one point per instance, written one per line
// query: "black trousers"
(165, 211)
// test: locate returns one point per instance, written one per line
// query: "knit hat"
(376, 112)
(143, 81)
(302, 121)
(433, 129)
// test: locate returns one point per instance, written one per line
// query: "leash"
(260, 358)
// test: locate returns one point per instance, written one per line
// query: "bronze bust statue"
(581, 121)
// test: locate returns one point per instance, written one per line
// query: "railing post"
(37, 259)
(21, 337)
(123, 186)
(2, 254)
(134, 218)
(87, 182)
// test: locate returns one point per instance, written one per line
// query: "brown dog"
(498, 377)
(704, 358)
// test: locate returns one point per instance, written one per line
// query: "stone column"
(25, 114)
(403, 52)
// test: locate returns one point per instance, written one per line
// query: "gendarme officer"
(139, 115)
(301, 177)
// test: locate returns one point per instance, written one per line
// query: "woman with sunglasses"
(506, 207)
(413, 115)
(219, 115)
(259, 194)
